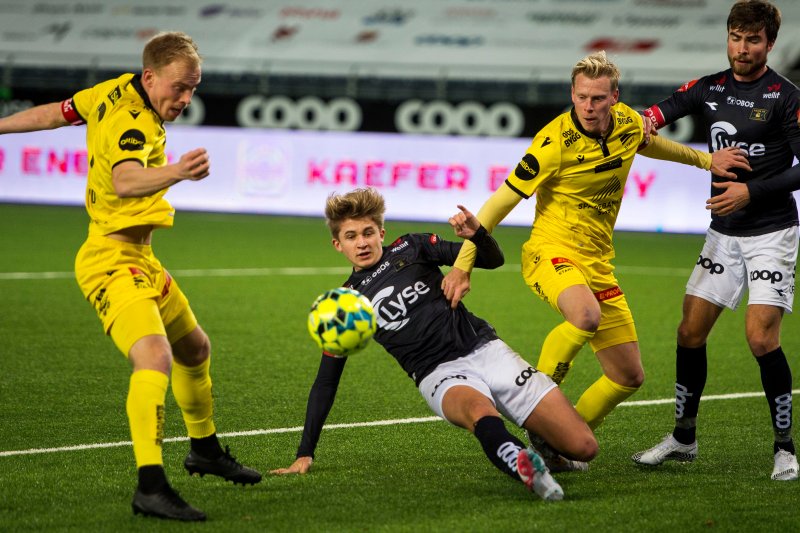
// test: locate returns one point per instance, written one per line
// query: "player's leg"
(557, 422)
(468, 408)
(770, 261)
(560, 282)
(191, 387)
(717, 281)
(622, 376)
(138, 332)
(457, 392)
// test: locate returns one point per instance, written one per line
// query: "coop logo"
(722, 136)
(309, 113)
(392, 310)
(470, 118)
(711, 266)
(132, 140)
(731, 100)
(766, 275)
(525, 375)
(456, 376)
(508, 453)
(682, 395)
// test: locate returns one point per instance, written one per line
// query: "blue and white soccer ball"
(342, 321)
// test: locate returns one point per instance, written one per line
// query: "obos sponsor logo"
(132, 140)
(731, 100)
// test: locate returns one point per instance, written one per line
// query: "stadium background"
(432, 102)
(65, 464)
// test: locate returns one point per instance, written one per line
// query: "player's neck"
(753, 76)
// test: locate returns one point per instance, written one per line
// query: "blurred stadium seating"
(375, 55)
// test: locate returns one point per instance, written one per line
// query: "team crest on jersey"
(759, 115)
(528, 168)
(115, 95)
(132, 140)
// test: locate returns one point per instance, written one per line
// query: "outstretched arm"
(467, 226)
(720, 162)
(40, 117)
(320, 401)
(456, 283)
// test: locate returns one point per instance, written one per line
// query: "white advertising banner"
(292, 172)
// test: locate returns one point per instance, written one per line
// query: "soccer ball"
(341, 321)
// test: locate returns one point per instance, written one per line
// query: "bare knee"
(690, 336)
(193, 349)
(586, 319)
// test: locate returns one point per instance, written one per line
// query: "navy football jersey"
(761, 117)
(415, 322)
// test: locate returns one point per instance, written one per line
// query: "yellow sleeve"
(661, 148)
(494, 210)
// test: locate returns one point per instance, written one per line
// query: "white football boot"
(668, 449)
(785, 466)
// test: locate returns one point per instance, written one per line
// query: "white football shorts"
(513, 385)
(764, 264)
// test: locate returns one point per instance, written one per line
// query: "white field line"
(311, 271)
(298, 429)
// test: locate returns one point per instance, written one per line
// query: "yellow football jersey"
(579, 179)
(121, 126)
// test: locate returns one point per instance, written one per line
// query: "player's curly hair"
(166, 47)
(358, 203)
(597, 65)
(752, 15)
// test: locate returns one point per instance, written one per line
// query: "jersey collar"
(136, 82)
(575, 120)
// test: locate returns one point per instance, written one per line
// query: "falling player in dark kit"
(466, 374)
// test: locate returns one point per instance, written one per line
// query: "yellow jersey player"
(140, 305)
(577, 166)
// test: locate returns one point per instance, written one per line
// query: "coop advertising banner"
(292, 173)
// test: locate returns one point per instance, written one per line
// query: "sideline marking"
(311, 271)
(298, 429)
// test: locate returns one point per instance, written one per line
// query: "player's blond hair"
(358, 203)
(167, 47)
(597, 65)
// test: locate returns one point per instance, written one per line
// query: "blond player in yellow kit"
(140, 305)
(577, 166)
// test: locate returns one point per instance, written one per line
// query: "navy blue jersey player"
(753, 238)
(466, 374)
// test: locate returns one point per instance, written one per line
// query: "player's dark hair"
(166, 47)
(358, 203)
(753, 15)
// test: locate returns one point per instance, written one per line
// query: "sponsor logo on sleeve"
(115, 95)
(528, 168)
(132, 140)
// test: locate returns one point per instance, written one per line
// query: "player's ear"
(337, 244)
(383, 233)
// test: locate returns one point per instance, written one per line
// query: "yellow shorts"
(114, 276)
(549, 269)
